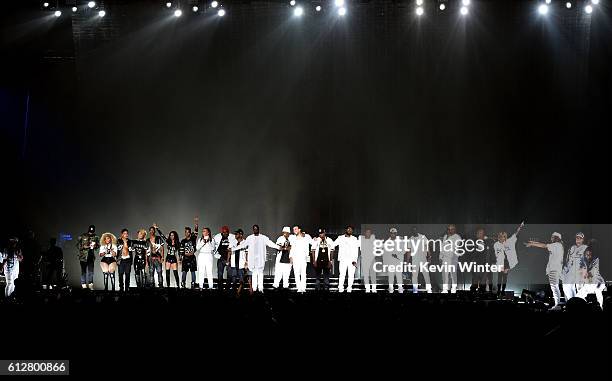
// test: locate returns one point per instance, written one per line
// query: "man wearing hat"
(224, 240)
(571, 277)
(282, 269)
(321, 258)
(87, 244)
(348, 251)
(449, 258)
(393, 258)
(555, 264)
(237, 262)
(256, 245)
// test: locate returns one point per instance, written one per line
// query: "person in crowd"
(141, 251)
(187, 253)
(505, 257)
(322, 249)
(348, 253)
(10, 265)
(368, 260)
(108, 259)
(282, 268)
(223, 241)
(554, 265)
(173, 245)
(205, 249)
(449, 258)
(53, 259)
(125, 252)
(571, 275)
(299, 256)
(87, 244)
(155, 250)
(418, 247)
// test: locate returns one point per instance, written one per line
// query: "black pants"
(220, 268)
(125, 268)
(52, 275)
(322, 269)
(502, 279)
(87, 270)
(480, 280)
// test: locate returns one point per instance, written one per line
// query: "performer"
(223, 242)
(54, 265)
(141, 260)
(206, 249)
(322, 249)
(256, 255)
(505, 257)
(187, 253)
(571, 277)
(555, 264)
(298, 256)
(483, 279)
(348, 252)
(237, 263)
(108, 261)
(155, 250)
(393, 258)
(125, 251)
(418, 247)
(173, 247)
(10, 264)
(449, 258)
(87, 244)
(282, 268)
(593, 282)
(367, 260)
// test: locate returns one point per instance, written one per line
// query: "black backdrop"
(262, 118)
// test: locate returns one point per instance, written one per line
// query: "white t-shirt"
(506, 250)
(418, 248)
(348, 248)
(367, 248)
(555, 258)
(106, 251)
(300, 247)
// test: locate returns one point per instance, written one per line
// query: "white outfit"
(300, 255)
(418, 250)
(593, 282)
(450, 258)
(394, 258)
(256, 257)
(571, 278)
(506, 250)
(348, 252)
(554, 267)
(367, 262)
(205, 252)
(11, 271)
(281, 270)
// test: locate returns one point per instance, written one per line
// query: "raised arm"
(536, 244)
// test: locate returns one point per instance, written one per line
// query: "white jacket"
(208, 248)
(506, 249)
(317, 242)
(348, 248)
(300, 248)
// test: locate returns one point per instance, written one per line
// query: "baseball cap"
(321, 231)
(555, 234)
(286, 229)
(393, 230)
(239, 231)
(580, 234)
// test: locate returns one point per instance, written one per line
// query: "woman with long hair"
(140, 257)
(108, 261)
(173, 244)
(505, 257)
(205, 249)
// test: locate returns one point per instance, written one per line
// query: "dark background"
(259, 117)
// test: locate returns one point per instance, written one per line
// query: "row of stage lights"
(339, 7)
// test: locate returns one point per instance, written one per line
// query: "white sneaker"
(453, 290)
(390, 290)
(349, 290)
(373, 286)
(340, 290)
(400, 290)
(415, 290)
(429, 291)
(91, 286)
(84, 286)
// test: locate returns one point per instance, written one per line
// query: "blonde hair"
(501, 235)
(112, 237)
(142, 231)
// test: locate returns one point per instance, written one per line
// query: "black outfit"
(172, 253)
(480, 280)
(221, 262)
(53, 260)
(125, 264)
(502, 277)
(186, 251)
(155, 262)
(140, 261)
(323, 265)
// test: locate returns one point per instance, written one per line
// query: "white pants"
(569, 290)
(450, 271)
(553, 280)
(277, 271)
(344, 267)
(399, 280)
(205, 270)
(283, 270)
(415, 276)
(257, 279)
(369, 275)
(10, 276)
(299, 270)
(596, 289)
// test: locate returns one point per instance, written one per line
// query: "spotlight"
(548, 1)
(298, 11)
(91, 4)
(58, 13)
(543, 9)
(465, 2)
(168, 4)
(588, 9)
(594, 2)
(463, 11)
(178, 13)
(568, 5)
(74, 9)
(46, 5)
(341, 11)
(102, 13)
(195, 8)
(221, 12)
(318, 8)
(214, 4)
(292, 3)
(442, 6)
(339, 3)
(419, 11)
(419, 2)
